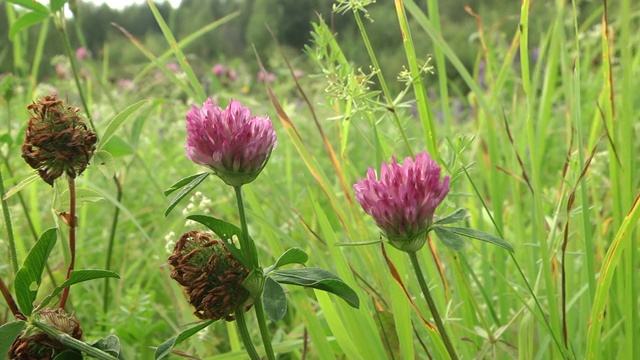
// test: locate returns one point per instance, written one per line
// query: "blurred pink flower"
(232, 142)
(124, 84)
(81, 53)
(219, 70)
(298, 74)
(403, 201)
(173, 67)
(270, 77)
(233, 75)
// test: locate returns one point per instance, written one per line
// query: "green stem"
(251, 256)
(264, 331)
(244, 335)
(432, 306)
(67, 340)
(13, 256)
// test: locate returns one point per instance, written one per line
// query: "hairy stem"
(72, 222)
(244, 335)
(10, 301)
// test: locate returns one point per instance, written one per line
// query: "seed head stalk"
(72, 222)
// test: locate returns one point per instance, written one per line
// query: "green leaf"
(291, 256)
(118, 147)
(118, 121)
(69, 355)
(320, 279)
(104, 161)
(77, 276)
(186, 189)
(274, 299)
(450, 239)
(225, 231)
(21, 185)
(57, 5)
(26, 20)
(30, 4)
(109, 344)
(165, 348)
(180, 184)
(6, 139)
(481, 235)
(29, 276)
(8, 334)
(454, 217)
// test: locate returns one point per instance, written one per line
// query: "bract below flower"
(231, 141)
(403, 200)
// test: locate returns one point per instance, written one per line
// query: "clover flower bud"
(403, 200)
(233, 143)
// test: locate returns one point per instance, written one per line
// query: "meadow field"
(530, 109)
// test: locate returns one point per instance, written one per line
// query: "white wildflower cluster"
(170, 242)
(197, 203)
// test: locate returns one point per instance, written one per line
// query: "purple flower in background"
(233, 75)
(403, 200)
(298, 74)
(219, 70)
(535, 55)
(231, 141)
(265, 75)
(81, 53)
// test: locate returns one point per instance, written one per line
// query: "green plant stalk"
(74, 70)
(69, 341)
(245, 336)
(37, 57)
(432, 306)
(383, 83)
(422, 99)
(112, 236)
(251, 256)
(72, 239)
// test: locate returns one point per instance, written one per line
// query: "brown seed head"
(57, 140)
(211, 276)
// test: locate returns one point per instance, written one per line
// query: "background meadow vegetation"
(531, 107)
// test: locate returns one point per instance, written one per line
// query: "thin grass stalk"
(112, 237)
(13, 255)
(383, 83)
(432, 306)
(538, 228)
(443, 81)
(19, 57)
(422, 100)
(37, 57)
(73, 223)
(74, 70)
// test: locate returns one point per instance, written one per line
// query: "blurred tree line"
(290, 20)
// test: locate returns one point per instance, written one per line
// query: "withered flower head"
(33, 344)
(57, 140)
(210, 274)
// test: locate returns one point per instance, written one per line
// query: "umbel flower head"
(231, 141)
(57, 140)
(211, 276)
(34, 344)
(403, 200)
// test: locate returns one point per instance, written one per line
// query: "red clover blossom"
(403, 201)
(231, 141)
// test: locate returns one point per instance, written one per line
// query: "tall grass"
(544, 156)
